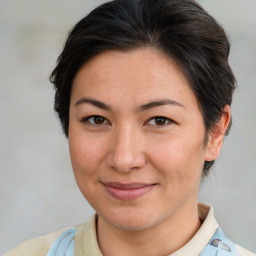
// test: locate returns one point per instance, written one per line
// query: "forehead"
(138, 75)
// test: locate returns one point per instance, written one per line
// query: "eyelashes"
(95, 120)
(98, 121)
(159, 121)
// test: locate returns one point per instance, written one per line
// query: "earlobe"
(216, 136)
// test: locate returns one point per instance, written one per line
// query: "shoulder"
(244, 252)
(209, 227)
(38, 246)
(85, 237)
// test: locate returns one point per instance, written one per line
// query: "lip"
(129, 191)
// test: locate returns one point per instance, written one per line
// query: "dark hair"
(181, 29)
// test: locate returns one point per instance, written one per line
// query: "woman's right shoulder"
(38, 246)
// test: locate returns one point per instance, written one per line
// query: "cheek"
(86, 155)
(85, 152)
(179, 157)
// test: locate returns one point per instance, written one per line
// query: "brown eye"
(96, 120)
(159, 121)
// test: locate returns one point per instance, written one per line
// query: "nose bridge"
(126, 148)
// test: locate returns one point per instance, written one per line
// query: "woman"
(143, 93)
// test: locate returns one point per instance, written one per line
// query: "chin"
(131, 221)
(130, 225)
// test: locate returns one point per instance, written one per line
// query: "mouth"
(127, 192)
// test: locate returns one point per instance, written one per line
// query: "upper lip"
(127, 186)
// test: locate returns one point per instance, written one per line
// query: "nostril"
(126, 151)
(126, 162)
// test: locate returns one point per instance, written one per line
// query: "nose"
(126, 150)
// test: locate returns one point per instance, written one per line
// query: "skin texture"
(128, 145)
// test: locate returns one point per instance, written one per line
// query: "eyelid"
(170, 121)
(86, 120)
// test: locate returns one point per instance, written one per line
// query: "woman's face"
(137, 138)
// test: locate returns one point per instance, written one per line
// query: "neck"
(161, 239)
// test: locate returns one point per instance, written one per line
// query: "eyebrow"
(150, 105)
(93, 102)
(159, 103)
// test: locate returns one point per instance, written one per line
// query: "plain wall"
(38, 193)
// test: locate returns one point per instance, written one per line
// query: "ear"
(216, 136)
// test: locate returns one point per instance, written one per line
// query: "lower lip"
(128, 194)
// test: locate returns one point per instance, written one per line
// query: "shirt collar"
(87, 244)
(203, 235)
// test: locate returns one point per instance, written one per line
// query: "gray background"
(38, 193)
